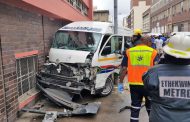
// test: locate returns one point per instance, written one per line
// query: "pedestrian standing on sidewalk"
(168, 84)
(164, 39)
(153, 42)
(159, 43)
(136, 61)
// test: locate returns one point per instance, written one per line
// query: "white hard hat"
(178, 46)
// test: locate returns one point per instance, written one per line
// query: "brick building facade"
(170, 16)
(26, 32)
(136, 2)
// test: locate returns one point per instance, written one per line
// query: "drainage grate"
(26, 73)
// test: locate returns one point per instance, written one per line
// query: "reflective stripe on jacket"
(140, 59)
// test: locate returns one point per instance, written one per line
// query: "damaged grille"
(58, 77)
(62, 82)
(65, 71)
(65, 83)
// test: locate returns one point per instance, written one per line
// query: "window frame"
(122, 45)
(29, 72)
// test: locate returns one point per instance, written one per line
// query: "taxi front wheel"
(108, 88)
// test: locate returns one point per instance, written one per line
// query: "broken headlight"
(88, 61)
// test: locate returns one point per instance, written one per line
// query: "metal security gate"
(26, 73)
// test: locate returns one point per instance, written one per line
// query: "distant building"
(170, 16)
(138, 7)
(101, 15)
(146, 21)
(127, 21)
(125, 24)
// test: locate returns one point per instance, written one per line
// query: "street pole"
(115, 17)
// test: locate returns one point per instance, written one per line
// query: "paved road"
(108, 111)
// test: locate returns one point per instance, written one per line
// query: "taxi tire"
(108, 88)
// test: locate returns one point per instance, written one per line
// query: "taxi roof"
(94, 26)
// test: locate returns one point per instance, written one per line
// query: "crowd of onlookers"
(158, 42)
(154, 41)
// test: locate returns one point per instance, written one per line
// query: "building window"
(84, 9)
(79, 5)
(182, 6)
(178, 8)
(26, 74)
(170, 11)
(174, 10)
(181, 27)
(73, 2)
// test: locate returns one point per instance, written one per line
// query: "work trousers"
(137, 94)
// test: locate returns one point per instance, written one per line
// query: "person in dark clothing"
(164, 39)
(137, 60)
(168, 84)
(153, 42)
(172, 60)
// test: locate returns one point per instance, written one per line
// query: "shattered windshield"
(74, 40)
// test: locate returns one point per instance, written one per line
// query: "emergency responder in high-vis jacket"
(168, 84)
(137, 60)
